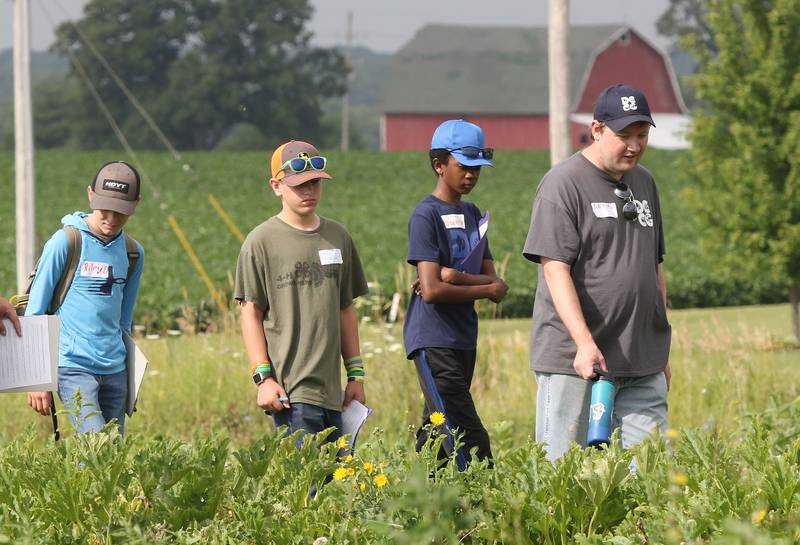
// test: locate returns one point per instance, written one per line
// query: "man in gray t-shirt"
(596, 232)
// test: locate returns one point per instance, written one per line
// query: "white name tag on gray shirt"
(605, 209)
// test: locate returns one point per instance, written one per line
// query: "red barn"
(497, 78)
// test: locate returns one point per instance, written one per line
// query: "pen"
(281, 399)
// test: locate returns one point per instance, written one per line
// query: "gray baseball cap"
(116, 187)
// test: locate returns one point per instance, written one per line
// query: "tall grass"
(725, 363)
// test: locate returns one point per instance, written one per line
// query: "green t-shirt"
(302, 280)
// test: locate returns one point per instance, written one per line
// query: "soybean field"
(213, 196)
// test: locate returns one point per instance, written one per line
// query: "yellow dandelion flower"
(341, 442)
(680, 479)
(348, 458)
(369, 468)
(759, 516)
(339, 474)
(380, 480)
(350, 471)
(437, 418)
(362, 486)
(672, 434)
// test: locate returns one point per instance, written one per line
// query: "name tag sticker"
(454, 221)
(330, 257)
(605, 209)
(93, 269)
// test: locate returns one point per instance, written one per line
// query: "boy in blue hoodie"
(98, 307)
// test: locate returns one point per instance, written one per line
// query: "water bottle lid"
(599, 374)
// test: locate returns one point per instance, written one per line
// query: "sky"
(385, 26)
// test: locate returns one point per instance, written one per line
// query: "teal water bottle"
(600, 409)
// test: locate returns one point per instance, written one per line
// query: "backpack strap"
(132, 247)
(68, 274)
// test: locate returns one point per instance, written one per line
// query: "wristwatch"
(258, 378)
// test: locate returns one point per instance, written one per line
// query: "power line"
(156, 193)
(136, 104)
(123, 140)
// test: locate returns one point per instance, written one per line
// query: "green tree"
(140, 41)
(687, 18)
(255, 66)
(745, 158)
(54, 111)
(201, 67)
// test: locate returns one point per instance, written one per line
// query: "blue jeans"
(103, 398)
(562, 410)
(310, 419)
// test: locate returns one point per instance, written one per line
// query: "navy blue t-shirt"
(442, 233)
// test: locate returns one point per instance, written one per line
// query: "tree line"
(199, 67)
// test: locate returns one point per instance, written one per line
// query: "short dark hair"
(443, 154)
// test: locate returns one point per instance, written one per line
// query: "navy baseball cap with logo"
(459, 137)
(116, 187)
(620, 105)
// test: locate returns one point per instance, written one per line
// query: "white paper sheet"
(30, 363)
(353, 417)
(136, 364)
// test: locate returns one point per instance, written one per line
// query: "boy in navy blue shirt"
(441, 326)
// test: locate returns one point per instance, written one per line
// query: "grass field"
(372, 195)
(726, 363)
(200, 463)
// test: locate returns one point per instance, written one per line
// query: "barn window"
(625, 39)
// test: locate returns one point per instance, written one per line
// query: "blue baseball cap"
(620, 105)
(456, 134)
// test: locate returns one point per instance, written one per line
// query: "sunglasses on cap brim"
(473, 152)
(301, 164)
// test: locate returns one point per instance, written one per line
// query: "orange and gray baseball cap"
(116, 187)
(297, 162)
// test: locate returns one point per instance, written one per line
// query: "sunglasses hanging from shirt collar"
(624, 192)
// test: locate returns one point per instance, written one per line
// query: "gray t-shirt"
(578, 220)
(302, 279)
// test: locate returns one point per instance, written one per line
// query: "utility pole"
(558, 72)
(345, 137)
(23, 142)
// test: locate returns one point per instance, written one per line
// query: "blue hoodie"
(99, 304)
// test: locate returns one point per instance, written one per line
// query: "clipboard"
(136, 365)
(30, 363)
(474, 261)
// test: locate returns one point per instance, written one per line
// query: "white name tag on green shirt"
(330, 257)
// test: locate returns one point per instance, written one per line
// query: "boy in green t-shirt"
(296, 278)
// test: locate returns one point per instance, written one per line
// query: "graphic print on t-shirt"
(307, 274)
(461, 244)
(98, 278)
(645, 216)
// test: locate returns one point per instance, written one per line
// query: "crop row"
(372, 194)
